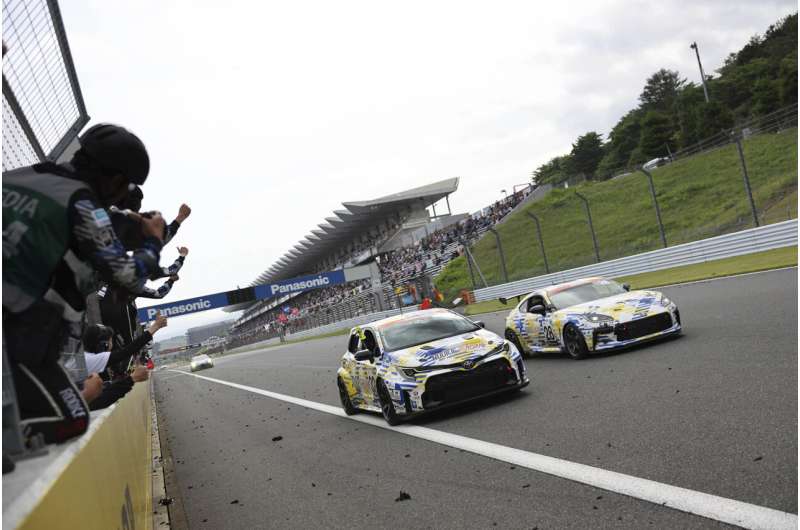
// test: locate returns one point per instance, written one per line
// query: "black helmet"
(96, 337)
(115, 148)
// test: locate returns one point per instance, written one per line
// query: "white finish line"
(694, 502)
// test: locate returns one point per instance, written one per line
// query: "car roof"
(378, 324)
(553, 289)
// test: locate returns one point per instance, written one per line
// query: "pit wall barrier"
(100, 481)
(777, 235)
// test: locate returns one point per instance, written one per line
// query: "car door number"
(549, 335)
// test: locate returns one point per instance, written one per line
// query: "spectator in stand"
(57, 235)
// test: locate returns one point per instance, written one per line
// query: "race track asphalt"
(714, 411)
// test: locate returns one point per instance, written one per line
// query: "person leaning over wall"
(57, 236)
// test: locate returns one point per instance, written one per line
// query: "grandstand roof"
(345, 224)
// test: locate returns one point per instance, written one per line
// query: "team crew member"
(98, 343)
(56, 236)
(118, 305)
(100, 354)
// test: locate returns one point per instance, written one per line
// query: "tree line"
(673, 114)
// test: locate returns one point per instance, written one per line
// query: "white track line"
(694, 502)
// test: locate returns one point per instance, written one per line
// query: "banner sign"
(238, 296)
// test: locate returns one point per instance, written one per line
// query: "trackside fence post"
(541, 241)
(655, 204)
(747, 188)
(475, 263)
(591, 226)
(501, 253)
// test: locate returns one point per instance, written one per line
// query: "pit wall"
(105, 482)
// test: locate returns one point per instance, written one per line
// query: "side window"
(369, 342)
(534, 300)
(352, 346)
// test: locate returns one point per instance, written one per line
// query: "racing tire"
(387, 407)
(574, 343)
(344, 397)
(512, 338)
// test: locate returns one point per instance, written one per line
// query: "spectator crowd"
(397, 268)
(77, 253)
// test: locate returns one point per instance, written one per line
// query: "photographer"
(57, 235)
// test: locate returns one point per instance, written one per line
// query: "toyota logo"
(468, 364)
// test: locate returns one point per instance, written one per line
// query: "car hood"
(622, 307)
(447, 351)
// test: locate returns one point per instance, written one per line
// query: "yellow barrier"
(107, 485)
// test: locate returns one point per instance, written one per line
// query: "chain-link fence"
(43, 109)
(741, 178)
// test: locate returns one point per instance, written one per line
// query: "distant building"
(202, 333)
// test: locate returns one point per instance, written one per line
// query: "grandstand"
(397, 234)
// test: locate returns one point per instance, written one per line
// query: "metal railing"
(768, 237)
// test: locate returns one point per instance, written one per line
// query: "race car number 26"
(549, 335)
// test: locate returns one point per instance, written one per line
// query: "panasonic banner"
(248, 294)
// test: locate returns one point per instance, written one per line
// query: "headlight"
(665, 301)
(501, 348)
(596, 318)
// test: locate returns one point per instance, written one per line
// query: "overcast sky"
(266, 116)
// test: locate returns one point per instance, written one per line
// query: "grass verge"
(759, 261)
(699, 197)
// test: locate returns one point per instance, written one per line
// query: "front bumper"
(621, 335)
(444, 388)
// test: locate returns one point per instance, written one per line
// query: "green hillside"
(699, 197)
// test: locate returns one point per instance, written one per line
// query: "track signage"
(238, 296)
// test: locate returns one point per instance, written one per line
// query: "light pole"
(702, 75)
(506, 193)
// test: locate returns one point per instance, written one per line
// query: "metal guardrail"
(768, 237)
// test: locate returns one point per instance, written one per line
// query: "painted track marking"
(694, 502)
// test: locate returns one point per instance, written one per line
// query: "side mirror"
(363, 355)
(503, 301)
(538, 309)
(626, 286)
(479, 323)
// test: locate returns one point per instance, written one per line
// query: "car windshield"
(422, 329)
(585, 293)
(201, 358)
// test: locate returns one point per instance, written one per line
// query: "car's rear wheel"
(574, 342)
(387, 406)
(512, 337)
(344, 397)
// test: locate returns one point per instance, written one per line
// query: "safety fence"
(43, 108)
(768, 237)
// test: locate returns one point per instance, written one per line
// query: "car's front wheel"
(387, 406)
(574, 343)
(344, 397)
(513, 339)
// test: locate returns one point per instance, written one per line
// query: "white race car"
(405, 365)
(590, 315)
(200, 361)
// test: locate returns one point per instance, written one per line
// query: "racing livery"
(408, 364)
(589, 315)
